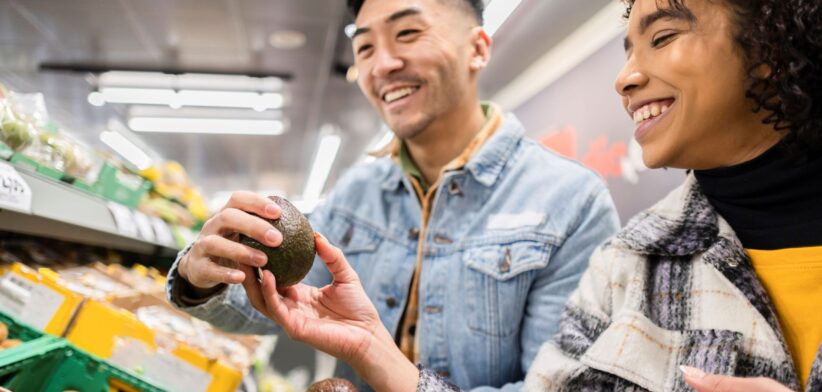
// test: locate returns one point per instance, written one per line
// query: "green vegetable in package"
(16, 134)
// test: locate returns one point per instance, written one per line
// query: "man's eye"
(407, 32)
(363, 48)
(662, 39)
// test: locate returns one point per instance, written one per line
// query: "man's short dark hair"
(474, 7)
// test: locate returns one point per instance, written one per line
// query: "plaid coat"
(674, 287)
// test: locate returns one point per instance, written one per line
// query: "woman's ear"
(481, 53)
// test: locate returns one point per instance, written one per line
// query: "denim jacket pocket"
(633, 348)
(497, 280)
(357, 240)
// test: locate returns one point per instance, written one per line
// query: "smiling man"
(467, 237)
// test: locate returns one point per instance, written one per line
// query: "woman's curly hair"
(784, 37)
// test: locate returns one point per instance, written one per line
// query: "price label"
(15, 193)
(32, 303)
(144, 226)
(175, 374)
(124, 219)
(162, 233)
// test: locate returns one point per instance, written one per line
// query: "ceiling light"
(126, 149)
(349, 30)
(206, 125)
(287, 39)
(189, 81)
(497, 12)
(323, 160)
(228, 99)
(96, 99)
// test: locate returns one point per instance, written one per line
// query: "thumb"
(334, 260)
(704, 382)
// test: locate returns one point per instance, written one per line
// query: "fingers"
(252, 288)
(232, 220)
(702, 382)
(275, 306)
(217, 246)
(254, 203)
(334, 259)
(210, 274)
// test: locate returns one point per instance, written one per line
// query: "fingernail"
(273, 237)
(260, 259)
(272, 210)
(236, 275)
(692, 372)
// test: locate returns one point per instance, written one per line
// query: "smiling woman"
(722, 276)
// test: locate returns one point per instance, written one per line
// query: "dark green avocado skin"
(291, 261)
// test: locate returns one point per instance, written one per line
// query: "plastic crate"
(122, 188)
(24, 161)
(18, 330)
(5, 151)
(53, 365)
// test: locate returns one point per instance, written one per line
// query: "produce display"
(195, 333)
(172, 186)
(291, 261)
(15, 131)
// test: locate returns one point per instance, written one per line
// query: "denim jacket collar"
(487, 164)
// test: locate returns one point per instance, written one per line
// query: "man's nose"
(386, 62)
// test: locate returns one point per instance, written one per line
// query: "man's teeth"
(648, 111)
(397, 94)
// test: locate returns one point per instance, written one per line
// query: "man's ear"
(481, 49)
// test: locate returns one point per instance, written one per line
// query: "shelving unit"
(63, 212)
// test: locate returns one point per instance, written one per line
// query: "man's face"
(413, 58)
(690, 77)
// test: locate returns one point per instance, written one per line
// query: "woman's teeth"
(649, 111)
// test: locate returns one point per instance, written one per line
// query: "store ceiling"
(233, 35)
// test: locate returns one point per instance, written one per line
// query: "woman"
(720, 277)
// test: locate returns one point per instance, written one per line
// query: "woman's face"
(684, 86)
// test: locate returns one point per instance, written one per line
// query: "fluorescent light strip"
(206, 125)
(326, 153)
(603, 27)
(497, 13)
(126, 149)
(189, 81)
(228, 99)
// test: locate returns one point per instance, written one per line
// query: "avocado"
(291, 261)
(332, 385)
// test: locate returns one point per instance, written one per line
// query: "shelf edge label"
(15, 192)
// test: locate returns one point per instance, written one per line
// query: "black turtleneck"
(771, 202)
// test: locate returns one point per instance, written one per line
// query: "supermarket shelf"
(60, 211)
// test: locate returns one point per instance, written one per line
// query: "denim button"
(413, 233)
(391, 302)
(454, 189)
(505, 265)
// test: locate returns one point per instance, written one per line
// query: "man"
(468, 239)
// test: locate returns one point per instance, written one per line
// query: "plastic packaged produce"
(15, 131)
(194, 333)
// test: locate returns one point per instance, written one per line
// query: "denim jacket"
(509, 236)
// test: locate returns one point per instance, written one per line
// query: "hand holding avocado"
(216, 258)
(338, 319)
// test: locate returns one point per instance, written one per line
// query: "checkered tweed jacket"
(674, 287)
